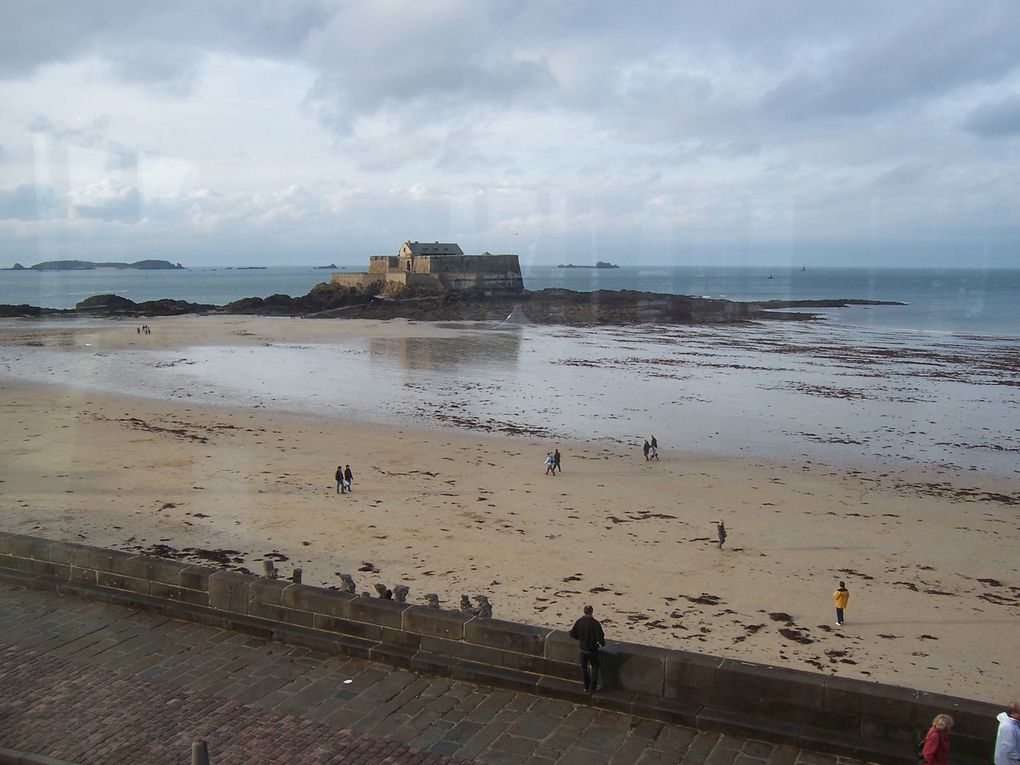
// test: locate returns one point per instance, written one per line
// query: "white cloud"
(238, 127)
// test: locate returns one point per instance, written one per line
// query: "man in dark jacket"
(589, 635)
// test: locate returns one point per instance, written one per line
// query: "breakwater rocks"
(548, 306)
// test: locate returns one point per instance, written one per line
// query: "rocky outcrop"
(548, 306)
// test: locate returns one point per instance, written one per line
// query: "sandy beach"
(928, 552)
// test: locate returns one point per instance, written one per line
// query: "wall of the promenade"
(872, 721)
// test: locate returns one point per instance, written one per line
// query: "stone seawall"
(872, 721)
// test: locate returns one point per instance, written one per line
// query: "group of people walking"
(344, 479)
(552, 462)
(651, 449)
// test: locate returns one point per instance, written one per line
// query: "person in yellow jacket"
(841, 597)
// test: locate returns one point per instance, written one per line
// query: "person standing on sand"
(556, 461)
(549, 463)
(1007, 740)
(339, 479)
(646, 449)
(936, 741)
(840, 597)
(589, 636)
(720, 529)
(349, 478)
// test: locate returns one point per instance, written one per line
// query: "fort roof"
(433, 248)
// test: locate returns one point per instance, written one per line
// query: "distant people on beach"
(550, 463)
(647, 449)
(1007, 740)
(720, 530)
(556, 461)
(349, 478)
(935, 750)
(840, 597)
(589, 636)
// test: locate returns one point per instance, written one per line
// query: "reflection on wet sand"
(485, 348)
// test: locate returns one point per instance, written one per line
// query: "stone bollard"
(347, 583)
(432, 599)
(296, 577)
(400, 593)
(484, 607)
(199, 752)
(465, 605)
(269, 569)
(381, 590)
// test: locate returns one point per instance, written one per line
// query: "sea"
(934, 382)
(962, 301)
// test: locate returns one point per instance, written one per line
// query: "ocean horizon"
(982, 302)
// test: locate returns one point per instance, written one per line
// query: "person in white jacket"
(1007, 741)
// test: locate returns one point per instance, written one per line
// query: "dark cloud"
(927, 52)
(997, 119)
(151, 41)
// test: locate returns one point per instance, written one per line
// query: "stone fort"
(439, 266)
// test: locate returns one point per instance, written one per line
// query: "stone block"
(761, 681)
(299, 618)
(539, 665)
(327, 642)
(749, 726)
(845, 743)
(178, 594)
(384, 613)
(433, 664)
(59, 571)
(559, 646)
(304, 597)
(970, 717)
(268, 592)
(262, 611)
(24, 546)
(196, 577)
(686, 670)
(400, 638)
(229, 591)
(434, 622)
(673, 711)
(361, 630)
(465, 651)
(121, 582)
(83, 576)
(880, 701)
(613, 700)
(498, 677)
(393, 655)
(631, 667)
(153, 569)
(508, 636)
(565, 690)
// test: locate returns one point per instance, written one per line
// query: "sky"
(305, 132)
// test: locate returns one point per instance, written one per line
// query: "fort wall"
(871, 721)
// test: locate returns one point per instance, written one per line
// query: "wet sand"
(929, 556)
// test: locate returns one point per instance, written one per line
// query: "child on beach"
(840, 597)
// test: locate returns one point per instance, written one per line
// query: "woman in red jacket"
(936, 741)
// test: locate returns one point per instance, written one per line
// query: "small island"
(88, 265)
(598, 264)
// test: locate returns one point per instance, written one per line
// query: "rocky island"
(598, 264)
(379, 301)
(88, 265)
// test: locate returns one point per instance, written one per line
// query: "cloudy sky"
(248, 132)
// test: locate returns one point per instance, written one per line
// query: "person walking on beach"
(647, 448)
(935, 750)
(549, 464)
(589, 636)
(654, 444)
(339, 479)
(720, 529)
(556, 461)
(1007, 740)
(349, 478)
(840, 597)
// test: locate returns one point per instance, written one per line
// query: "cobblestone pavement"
(93, 683)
